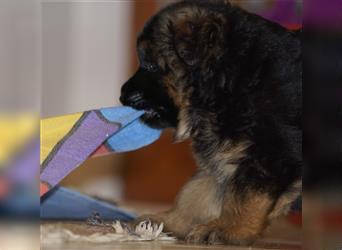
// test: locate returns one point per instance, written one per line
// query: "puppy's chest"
(220, 158)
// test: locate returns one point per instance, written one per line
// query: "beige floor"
(156, 246)
(281, 235)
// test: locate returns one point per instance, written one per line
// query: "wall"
(19, 55)
(86, 54)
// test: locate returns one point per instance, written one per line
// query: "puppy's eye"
(151, 67)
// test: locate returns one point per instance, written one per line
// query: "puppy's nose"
(135, 100)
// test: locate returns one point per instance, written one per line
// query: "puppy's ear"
(225, 2)
(194, 39)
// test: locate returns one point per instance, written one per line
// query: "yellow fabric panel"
(16, 130)
(52, 130)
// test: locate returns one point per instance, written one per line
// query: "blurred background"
(65, 56)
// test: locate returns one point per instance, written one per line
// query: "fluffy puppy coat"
(231, 81)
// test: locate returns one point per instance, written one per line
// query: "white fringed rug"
(145, 231)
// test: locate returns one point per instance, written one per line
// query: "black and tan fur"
(231, 82)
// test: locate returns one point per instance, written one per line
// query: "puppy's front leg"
(243, 219)
(249, 198)
(198, 202)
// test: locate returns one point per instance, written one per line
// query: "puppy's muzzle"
(134, 100)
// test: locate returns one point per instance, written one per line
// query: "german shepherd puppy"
(231, 81)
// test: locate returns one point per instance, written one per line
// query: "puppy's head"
(177, 47)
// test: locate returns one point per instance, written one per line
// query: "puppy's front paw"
(213, 234)
(204, 234)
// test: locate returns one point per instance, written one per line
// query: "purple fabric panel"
(85, 139)
(26, 168)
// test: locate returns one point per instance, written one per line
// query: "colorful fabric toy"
(67, 141)
(67, 204)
